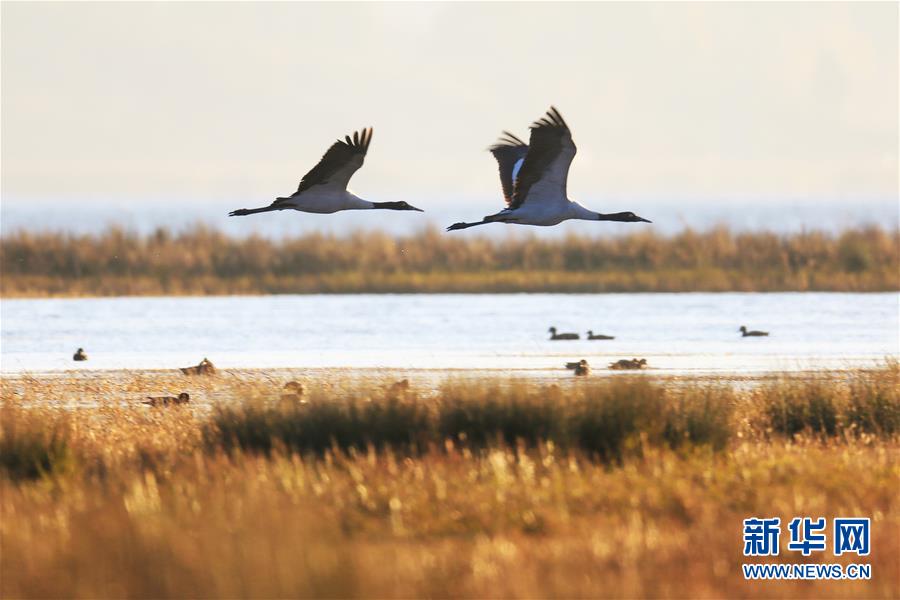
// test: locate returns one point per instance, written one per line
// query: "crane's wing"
(509, 151)
(546, 168)
(339, 163)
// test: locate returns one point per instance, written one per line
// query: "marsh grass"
(204, 261)
(520, 498)
(861, 405)
(319, 426)
(606, 419)
(31, 447)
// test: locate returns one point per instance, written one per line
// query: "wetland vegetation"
(202, 261)
(619, 486)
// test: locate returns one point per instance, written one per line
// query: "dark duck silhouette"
(599, 336)
(745, 333)
(79, 355)
(562, 336)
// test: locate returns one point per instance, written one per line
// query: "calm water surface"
(675, 332)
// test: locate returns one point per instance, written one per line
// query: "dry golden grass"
(203, 261)
(152, 503)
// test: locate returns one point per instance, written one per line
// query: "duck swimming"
(581, 367)
(599, 336)
(79, 355)
(626, 364)
(745, 333)
(562, 336)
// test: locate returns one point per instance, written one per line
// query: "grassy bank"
(613, 487)
(202, 261)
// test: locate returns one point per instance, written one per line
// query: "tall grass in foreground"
(482, 489)
(204, 261)
(607, 419)
(604, 420)
(32, 447)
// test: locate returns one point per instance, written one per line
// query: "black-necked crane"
(745, 333)
(599, 336)
(536, 193)
(324, 189)
(562, 336)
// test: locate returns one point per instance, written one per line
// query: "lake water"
(677, 333)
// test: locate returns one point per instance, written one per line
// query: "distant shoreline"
(203, 262)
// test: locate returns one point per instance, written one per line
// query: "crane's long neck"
(388, 205)
(620, 216)
(354, 202)
(577, 211)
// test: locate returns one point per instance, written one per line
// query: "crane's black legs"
(252, 211)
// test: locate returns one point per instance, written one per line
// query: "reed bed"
(604, 421)
(204, 261)
(490, 488)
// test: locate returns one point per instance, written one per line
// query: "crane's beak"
(644, 220)
(411, 207)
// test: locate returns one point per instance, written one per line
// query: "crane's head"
(623, 217)
(396, 206)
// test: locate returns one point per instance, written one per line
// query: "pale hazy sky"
(218, 101)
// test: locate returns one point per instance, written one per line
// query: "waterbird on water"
(534, 176)
(581, 367)
(626, 364)
(562, 336)
(745, 333)
(79, 355)
(324, 189)
(599, 336)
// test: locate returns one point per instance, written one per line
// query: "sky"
(228, 104)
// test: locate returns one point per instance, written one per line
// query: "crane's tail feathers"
(456, 226)
(251, 211)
